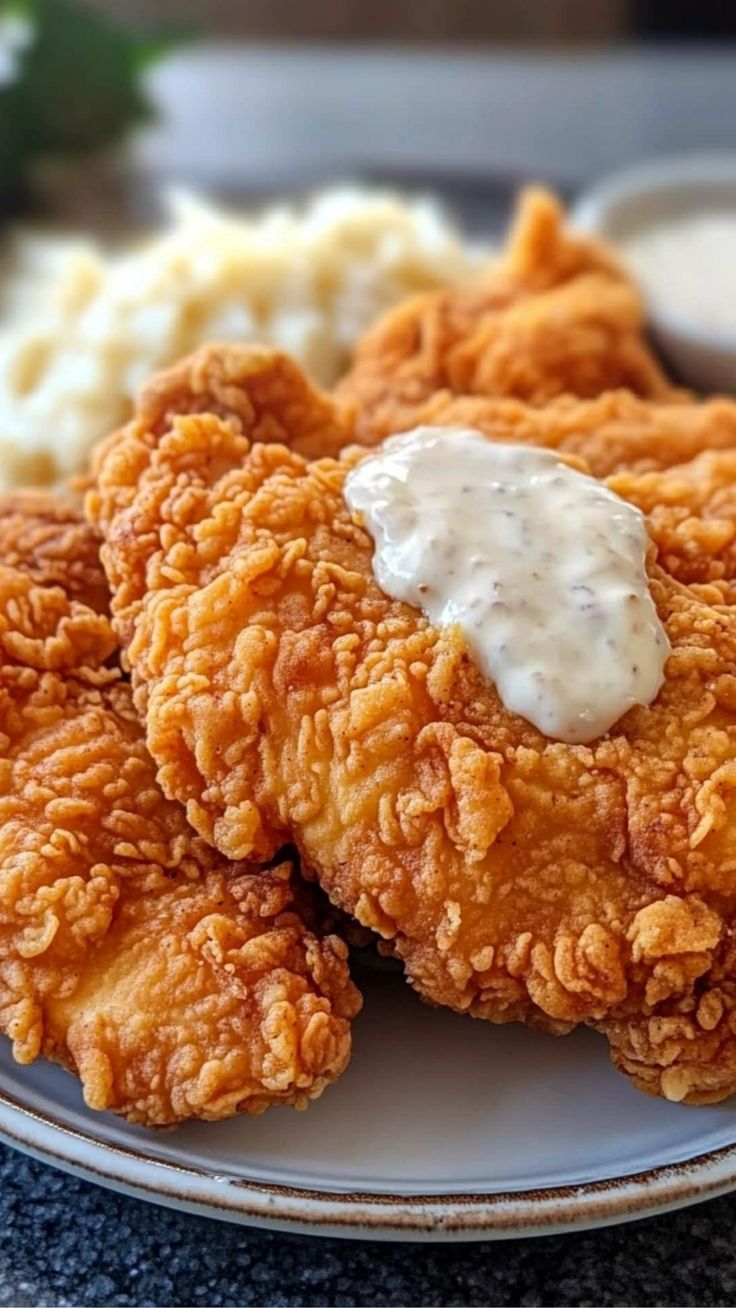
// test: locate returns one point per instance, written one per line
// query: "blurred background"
(246, 99)
(442, 20)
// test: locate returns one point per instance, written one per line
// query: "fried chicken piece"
(517, 877)
(46, 536)
(555, 315)
(175, 984)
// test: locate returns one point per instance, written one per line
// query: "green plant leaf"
(77, 86)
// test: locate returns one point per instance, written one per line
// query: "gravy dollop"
(541, 567)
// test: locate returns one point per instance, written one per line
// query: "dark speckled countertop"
(66, 1242)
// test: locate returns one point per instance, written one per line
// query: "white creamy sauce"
(541, 567)
(687, 267)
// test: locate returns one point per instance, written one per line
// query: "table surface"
(64, 1241)
(241, 120)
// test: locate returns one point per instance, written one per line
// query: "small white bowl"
(653, 193)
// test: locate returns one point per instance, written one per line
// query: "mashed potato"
(81, 328)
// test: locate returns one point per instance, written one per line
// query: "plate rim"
(363, 1214)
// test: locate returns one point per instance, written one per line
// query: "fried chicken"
(555, 315)
(174, 983)
(46, 537)
(518, 878)
(692, 517)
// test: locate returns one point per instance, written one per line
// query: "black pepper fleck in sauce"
(549, 587)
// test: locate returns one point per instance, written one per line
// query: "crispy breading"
(683, 1048)
(517, 877)
(247, 389)
(46, 536)
(174, 983)
(241, 387)
(691, 510)
(555, 315)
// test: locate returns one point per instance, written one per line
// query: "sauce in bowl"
(687, 267)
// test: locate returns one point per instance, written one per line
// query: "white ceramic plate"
(442, 1128)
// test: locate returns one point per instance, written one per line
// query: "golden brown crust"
(248, 389)
(684, 1049)
(556, 315)
(691, 510)
(46, 536)
(286, 695)
(174, 983)
(255, 390)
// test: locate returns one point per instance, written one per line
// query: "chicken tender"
(174, 983)
(517, 877)
(556, 315)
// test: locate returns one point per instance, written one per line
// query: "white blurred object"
(83, 329)
(687, 266)
(16, 33)
(257, 114)
(674, 223)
